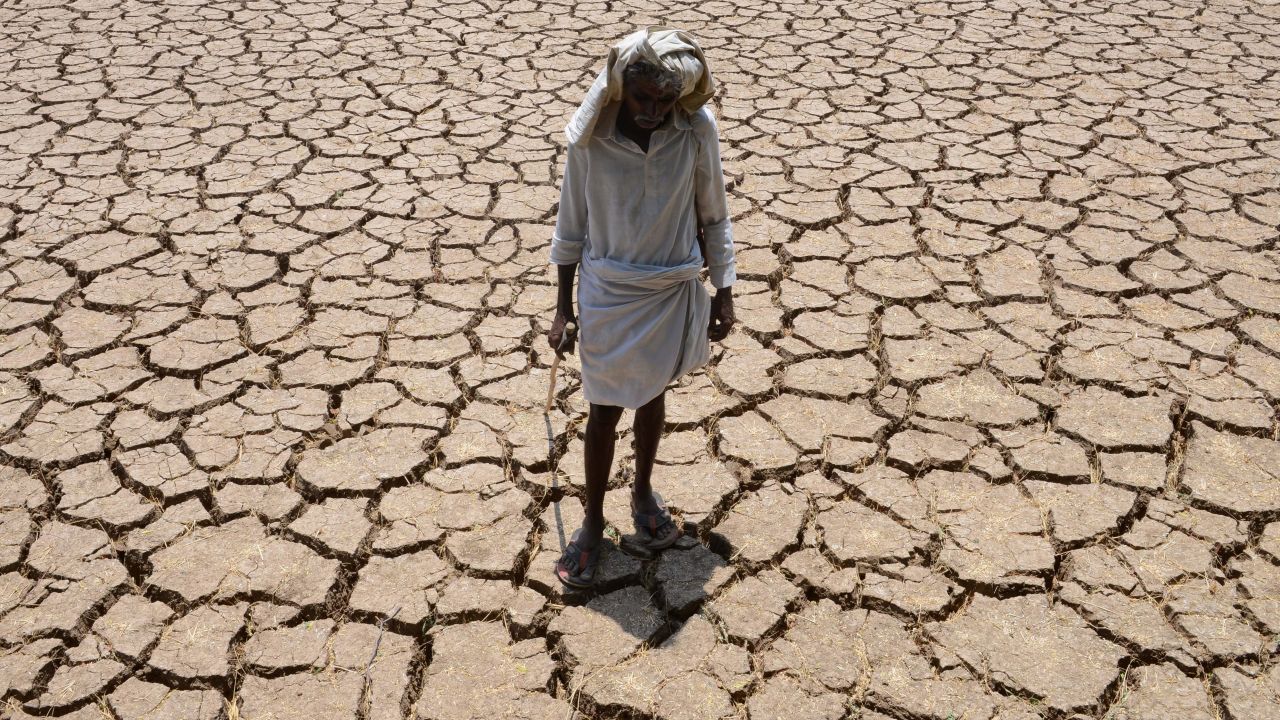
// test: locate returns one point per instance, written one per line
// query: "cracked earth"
(995, 437)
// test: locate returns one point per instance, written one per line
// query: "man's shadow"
(650, 617)
(647, 594)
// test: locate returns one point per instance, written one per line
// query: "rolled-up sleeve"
(570, 234)
(713, 205)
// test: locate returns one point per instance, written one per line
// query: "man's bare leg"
(601, 436)
(649, 421)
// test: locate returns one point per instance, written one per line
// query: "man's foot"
(578, 563)
(654, 524)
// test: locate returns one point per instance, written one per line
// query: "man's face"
(646, 103)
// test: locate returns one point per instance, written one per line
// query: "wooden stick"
(551, 386)
(570, 329)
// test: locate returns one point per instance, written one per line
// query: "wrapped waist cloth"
(640, 327)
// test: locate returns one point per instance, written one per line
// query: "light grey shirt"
(619, 203)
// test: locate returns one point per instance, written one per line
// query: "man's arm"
(567, 242)
(712, 205)
(564, 309)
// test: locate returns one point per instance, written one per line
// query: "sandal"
(576, 567)
(653, 527)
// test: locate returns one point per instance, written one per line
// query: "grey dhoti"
(641, 326)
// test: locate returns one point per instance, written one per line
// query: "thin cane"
(570, 329)
(566, 336)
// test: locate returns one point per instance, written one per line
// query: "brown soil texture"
(995, 437)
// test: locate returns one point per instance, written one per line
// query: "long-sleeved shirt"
(620, 203)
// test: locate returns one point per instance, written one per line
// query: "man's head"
(647, 73)
(649, 92)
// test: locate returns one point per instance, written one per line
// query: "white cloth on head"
(631, 218)
(659, 45)
(688, 68)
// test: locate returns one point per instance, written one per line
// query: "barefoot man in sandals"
(642, 181)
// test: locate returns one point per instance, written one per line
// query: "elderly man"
(642, 210)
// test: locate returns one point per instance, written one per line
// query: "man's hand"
(722, 318)
(561, 341)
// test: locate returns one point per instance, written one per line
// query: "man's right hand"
(559, 340)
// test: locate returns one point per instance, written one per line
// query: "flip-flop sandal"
(576, 567)
(651, 527)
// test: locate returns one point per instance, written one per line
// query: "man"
(642, 180)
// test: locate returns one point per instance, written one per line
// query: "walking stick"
(570, 329)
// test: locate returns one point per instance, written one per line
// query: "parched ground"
(995, 438)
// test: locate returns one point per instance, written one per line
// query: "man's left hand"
(722, 318)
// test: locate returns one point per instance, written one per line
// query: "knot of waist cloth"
(624, 279)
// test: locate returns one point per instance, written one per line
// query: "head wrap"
(666, 47)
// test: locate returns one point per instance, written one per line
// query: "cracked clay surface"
(995, 437)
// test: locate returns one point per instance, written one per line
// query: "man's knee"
(658, 404)
(650, 417)
(603, 418)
